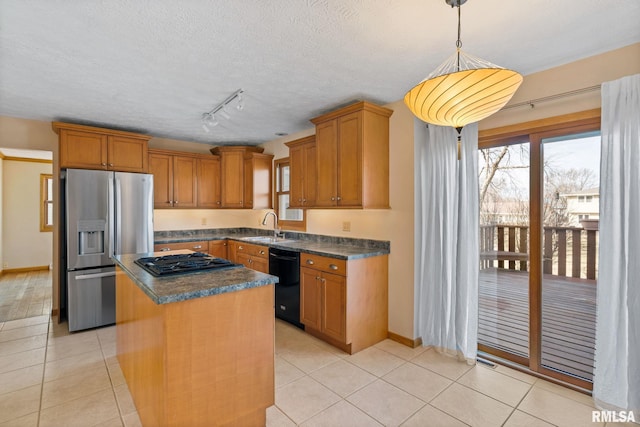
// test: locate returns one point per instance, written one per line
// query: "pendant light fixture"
(462, 90)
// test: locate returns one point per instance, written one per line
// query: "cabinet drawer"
(253, 250)
(330, 265)
(194, 246)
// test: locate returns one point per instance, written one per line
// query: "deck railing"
(567, 251)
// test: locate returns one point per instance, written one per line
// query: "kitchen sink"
(267, 239)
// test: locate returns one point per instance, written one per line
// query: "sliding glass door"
(504, 253)
(538, 249)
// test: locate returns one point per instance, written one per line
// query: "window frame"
(46, 202)
(301, 225)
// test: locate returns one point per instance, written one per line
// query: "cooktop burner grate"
(183, 263)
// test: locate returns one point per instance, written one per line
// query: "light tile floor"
(49, 377)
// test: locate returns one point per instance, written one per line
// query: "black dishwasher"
(286, 265)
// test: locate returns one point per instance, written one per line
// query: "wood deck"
(568, 318)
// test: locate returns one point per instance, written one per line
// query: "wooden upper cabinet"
(127, 154)
(327, 163)
(161, 166)
(245, 177)
(87, 147)
(352, 157)
(303, 173)
(232, 178)
(174, 179)
(184, 182)
(257, 181)
(209, 182)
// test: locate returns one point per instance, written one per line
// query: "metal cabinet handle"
(304, 200)
(197, 247)
(224, 244)
(175, 202)
(240, 247)
(165, 249)
(103, 164)
(323, 280)
(250, 261)
(310, 262)
(110, 164)
(333, 198)
(317, 277)
(333, 266)
(261, 252)
(299, 200)
(339, 198)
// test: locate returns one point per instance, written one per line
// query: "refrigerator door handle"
(95, 275)
(110, 218)
(117, 201)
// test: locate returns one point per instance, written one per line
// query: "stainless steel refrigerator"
(106, 213)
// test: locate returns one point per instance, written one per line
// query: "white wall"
(24, 245)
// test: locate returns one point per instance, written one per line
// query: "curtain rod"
(533, 102)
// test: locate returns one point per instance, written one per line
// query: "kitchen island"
(196, 349)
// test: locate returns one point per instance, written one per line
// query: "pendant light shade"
(462, 90)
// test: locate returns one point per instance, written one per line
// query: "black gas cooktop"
(183, 263)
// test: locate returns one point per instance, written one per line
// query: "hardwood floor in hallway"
(25, 294)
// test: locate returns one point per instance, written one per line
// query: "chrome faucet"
(275, 223)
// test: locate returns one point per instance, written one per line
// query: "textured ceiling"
(155, 66)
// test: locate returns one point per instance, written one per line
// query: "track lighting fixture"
(209, 119)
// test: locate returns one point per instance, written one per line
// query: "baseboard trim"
(25, 269)
(54, 312)
(413, 343)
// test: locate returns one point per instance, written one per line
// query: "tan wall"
(24, 245)
(581, 74)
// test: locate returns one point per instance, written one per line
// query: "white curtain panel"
(447, 212)
(616, 383)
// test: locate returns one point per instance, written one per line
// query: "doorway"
(538, 255)
(26, 245)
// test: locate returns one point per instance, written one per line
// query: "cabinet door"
(244, 259)
(310, 298)
(257, 181)
(232, 251)
(83, 150)
(350, 160)
(161, 166)
(127, 154)
(334, 306)
(326, 161)
(184, 182)
(248, 184)
(259, 264)
(296, 178)
(218, 248)
(232, 179)
(310, 177)
(209, 183)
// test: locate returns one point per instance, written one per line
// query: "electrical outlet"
(346, 226)
(204, 221)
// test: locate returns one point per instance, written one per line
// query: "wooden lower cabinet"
(202, 362)
(218, 248)
(255, 257)
(345, 302)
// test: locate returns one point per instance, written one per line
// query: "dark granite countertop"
(186, 286)
(329, 246)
